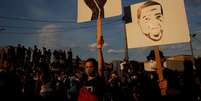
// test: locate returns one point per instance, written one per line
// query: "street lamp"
(2, 29)
(191, 46)
(193, 35)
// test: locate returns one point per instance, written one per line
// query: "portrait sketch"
(156, 22)
(150, 20)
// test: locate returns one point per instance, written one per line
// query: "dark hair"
(151, 55)
(146, 4)
(92, 60)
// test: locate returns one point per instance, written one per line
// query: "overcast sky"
(52, 24)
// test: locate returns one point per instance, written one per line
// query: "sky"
(52, 24)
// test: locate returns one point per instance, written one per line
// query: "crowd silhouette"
(55, 75)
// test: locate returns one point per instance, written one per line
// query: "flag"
(89, 9)
(157, 22)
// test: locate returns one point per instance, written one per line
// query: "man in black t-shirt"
(94, 80)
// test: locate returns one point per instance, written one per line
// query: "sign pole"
(126, 58)
(159, 68)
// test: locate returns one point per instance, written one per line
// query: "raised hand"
(95, 8)
(163, 85)
(99, 34)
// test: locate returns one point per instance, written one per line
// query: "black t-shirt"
(96, 86)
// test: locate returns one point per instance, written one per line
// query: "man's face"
(151, 22)
(89, 68)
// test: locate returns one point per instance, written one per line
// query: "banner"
(89, 9)
(157, 22)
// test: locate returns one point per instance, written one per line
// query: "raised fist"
(95, 10)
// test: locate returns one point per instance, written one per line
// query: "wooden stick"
(159, 68)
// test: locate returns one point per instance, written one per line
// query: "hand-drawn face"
(150, 21)
(95, 6)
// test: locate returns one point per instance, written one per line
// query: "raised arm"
(99, 43)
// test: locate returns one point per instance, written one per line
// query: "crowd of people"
(40, 74)
(33, 70)
(28, 73)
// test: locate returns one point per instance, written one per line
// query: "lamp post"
(126, 57)
(2, 29)
(191, 46)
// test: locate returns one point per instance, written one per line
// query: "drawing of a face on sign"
(150, 20)
(95, 6)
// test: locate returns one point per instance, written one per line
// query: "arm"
(99, 36)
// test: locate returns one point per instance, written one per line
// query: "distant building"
(116, 65)
(176, 62)
(180, 57)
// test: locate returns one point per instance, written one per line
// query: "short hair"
(151, 55)
(146, 4)
(92, 60)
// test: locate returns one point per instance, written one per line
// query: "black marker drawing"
(95, 6)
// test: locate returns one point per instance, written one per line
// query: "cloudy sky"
(52, 23)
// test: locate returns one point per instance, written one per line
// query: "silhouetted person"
(151, 84)
(10, 85)
(189, 83)
(70, 61)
